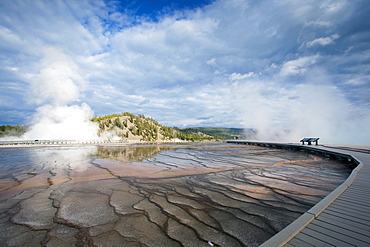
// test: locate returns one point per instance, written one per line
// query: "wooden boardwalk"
(342, 218)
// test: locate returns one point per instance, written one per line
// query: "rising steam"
(315, 108)
(56, 89)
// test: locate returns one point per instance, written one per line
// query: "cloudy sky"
(285, 67)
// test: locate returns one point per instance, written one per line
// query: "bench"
(310, 140)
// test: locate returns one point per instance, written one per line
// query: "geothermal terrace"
(69, 193)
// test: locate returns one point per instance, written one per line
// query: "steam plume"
(56, 89)
(310, 109)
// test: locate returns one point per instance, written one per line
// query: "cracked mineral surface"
(157, 195)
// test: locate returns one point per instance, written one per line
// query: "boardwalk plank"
(356, 195)
(350, 203)
(356, 192)
(312, 241)
(359, 238)
(362, 181)
(348, 217)
(357, 189)
(345, 205)
(325, 238)
(347, 211)
(360, 228)
(351, 212)
(299, 243)
(362, 176)
(358, 200)
(355, 199)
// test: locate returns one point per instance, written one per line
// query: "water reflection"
(130, 153)
(156, 195)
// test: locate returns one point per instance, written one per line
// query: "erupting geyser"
(56, 89)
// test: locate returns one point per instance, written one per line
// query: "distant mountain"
(224, 133)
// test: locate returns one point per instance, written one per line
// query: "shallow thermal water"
(188, 195)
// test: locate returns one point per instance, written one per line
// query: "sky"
(288, 68)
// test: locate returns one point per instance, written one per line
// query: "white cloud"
(334, 6)
(323, 41)
(318, 23)
(212, 62)
(9, 39)
(298, 66)
(237, 76)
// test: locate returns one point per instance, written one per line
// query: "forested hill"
(8, 130)
(223, 133)
(131, 127)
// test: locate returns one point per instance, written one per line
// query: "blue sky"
(297, 67)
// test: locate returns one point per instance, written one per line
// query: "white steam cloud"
(315, 108)
(56, 89)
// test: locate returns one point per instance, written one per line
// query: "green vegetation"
(105, 117)
(194, 134)
(223, 133)
(130, 126)
(8, 130)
